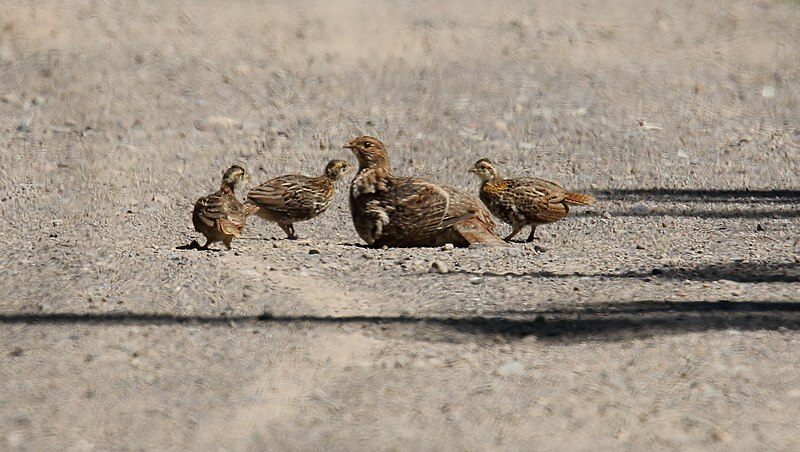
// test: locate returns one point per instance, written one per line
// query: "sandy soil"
(664, 317)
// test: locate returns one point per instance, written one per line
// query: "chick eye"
(367, 145)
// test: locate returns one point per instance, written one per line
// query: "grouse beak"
(472, 170)
(350, 146)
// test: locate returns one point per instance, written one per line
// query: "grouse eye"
(367, 145)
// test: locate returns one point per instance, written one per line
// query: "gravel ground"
(666, 316)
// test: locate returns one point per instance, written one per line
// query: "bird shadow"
(359, 245)
(195, 246)
(601, 321)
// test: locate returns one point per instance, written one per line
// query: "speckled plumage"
(292, 198)
(527, 201)
(409, 211)
(220, 217)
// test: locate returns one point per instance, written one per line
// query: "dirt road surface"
(664, 317)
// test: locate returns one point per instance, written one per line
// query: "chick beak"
(472, 170)
(350, 146)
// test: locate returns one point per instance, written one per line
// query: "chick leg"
(288, 228)
(514, 231)
(533, 234)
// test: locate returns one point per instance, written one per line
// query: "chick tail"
(579, 199)
(250, 209)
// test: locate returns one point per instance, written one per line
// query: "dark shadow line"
(784, 272)
(702, 213)
(644, 307)
(602, 321)
(654, 273)
(700, 195)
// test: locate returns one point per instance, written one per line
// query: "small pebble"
(438, 267)
(217, 123)
(477, 280)
(514, 252)
(448, 247)
(313, 251)
(15, 440)
(720, 436)
(512, 367)
(10, 99)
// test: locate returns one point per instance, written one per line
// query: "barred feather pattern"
(293, 198)
(220, 217)
(409, 211)
(526, 201)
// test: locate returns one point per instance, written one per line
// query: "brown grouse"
(409, 211)
(292, 198)
(220, 216)
(525, 201)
